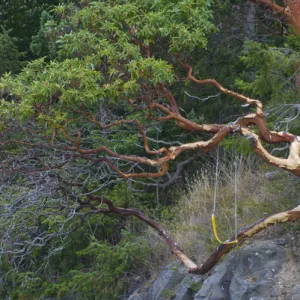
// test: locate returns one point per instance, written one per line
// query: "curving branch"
(126, 212)
(292, 163)
(283, 217)
(70, 145)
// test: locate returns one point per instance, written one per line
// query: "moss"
(196, 286)
(168, 294)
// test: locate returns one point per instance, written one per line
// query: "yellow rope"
(214, 226)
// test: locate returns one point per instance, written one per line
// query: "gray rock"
(281, 242)
(246, 274)
(136, 296)
(174, 282)
(187, 288)
(167, 283)
(295, 294)
(263, 270)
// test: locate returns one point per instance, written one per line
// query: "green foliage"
(42, 43)
(22, 17)
(107, 277)
(195, 286)
(168, 294)
(237, 144)
(121, 195)
(88, 267)
(274, 69)
(95, 59)
(11, 59)
(293, 42)
(28, 284)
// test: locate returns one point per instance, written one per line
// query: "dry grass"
(257, 196)
(191, 225)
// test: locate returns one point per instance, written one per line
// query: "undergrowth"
(260, 192)
(99, 265)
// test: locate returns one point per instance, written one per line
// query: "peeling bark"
(283, 217)
(161, 158)
(126, 212)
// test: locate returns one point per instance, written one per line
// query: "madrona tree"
(75, 126)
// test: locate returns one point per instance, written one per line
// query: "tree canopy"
(101, 116)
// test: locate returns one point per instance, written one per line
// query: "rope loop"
(214, 226)
(213, 216)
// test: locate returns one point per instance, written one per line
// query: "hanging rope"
(213, 216)
(216, 180)
(235, 201)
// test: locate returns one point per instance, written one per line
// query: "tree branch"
(152, 223)
(283, 217)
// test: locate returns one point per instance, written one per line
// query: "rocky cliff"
(262, 270)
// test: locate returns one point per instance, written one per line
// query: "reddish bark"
(217, 254)
(220, 251)
(161, 158)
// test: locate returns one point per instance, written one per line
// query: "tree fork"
(282, 217)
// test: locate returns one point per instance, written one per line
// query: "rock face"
(173, 283)
(247, 274)
(264, 270)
